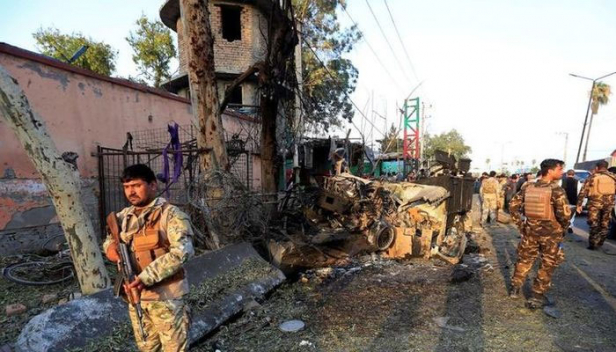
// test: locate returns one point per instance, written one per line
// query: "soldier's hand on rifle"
(578, 209)
(135, 284)
(112, 253)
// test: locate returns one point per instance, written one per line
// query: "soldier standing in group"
(489, 191)
(160, 238)
(541, 212)
(502, 182)
(600, 188)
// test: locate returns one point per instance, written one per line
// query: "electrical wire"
(372, 50)
(406, 53)
(335, 80)
(387, 41)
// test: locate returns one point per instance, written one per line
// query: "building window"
(236, 95)
(230, 19)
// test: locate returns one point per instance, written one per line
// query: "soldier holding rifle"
(151, 240)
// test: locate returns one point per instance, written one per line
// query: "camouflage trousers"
(165, 323)
(599, 222)
(488, 207)
(530, 247)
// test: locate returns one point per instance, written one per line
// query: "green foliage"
(391, 143)
(99, 57)
(451, 142)
(154, 49)
(325, 99)
(600, 96)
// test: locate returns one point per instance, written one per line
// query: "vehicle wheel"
(39, 273)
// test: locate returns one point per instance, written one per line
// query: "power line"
(372, 50)
(387, 41)
(401, 42)
(345, 93)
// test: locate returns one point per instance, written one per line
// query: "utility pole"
(566, 134)
(594, 82)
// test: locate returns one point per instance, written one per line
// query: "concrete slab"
(76, 323)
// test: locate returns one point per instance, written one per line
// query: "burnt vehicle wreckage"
(336, 217)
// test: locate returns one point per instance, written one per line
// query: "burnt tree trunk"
(274, 84)
(202, 77)
(269, 145)
(61, 181)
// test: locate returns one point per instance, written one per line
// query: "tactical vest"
(149, 243)
(489, 186)
(537, 203)
(602, 185)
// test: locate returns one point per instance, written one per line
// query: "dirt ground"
(382, 305)
(376, 305)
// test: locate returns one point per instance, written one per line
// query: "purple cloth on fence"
(178, 160)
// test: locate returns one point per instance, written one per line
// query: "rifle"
(126, 273)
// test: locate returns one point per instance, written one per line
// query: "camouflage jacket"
(562, 212)
(595, 200)
(490, 187)
(176, 225)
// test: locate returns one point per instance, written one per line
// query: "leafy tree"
(451, 142)
(99, 57)
(390, 143)
(325, 100)
(154, 49)
(600, 96)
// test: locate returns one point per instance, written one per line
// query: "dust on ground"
(417, 305)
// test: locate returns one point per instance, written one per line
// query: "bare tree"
(61, 182)
(203, 91)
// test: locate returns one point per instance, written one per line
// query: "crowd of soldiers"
(542, 210)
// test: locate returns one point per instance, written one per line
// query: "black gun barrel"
(129, 275)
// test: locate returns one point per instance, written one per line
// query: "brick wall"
(238, 55)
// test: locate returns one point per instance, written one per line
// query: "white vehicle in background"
(580, 176)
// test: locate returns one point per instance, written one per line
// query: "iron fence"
(112, 162)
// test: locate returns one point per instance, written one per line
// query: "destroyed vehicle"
(399, 219)
(348, 215)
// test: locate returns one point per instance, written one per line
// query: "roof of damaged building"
(170, 11)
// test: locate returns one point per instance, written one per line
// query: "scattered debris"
(552, 312)
(292, 326)
(441, 322)
(15, 309)
(50, 297)
(461, 273)
(251, 305)
(306, 343)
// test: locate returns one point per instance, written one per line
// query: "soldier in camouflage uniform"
(160, 238)
(600, 188)
(500, 204)
(489, 191)
(541, 212)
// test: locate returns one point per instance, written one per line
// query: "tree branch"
(257, 67)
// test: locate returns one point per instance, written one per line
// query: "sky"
(496, 71)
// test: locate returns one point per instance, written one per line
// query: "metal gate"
(112, 162)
